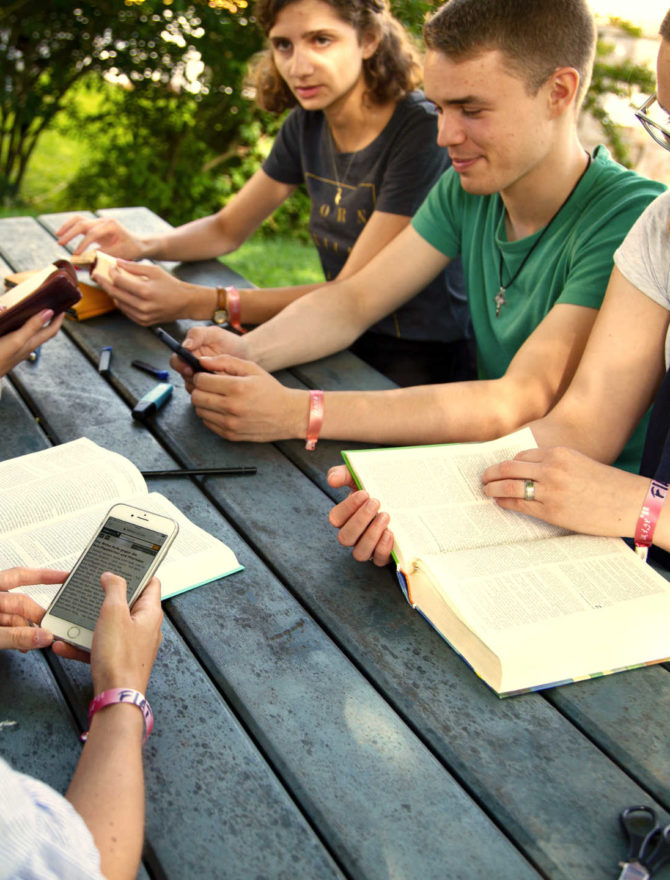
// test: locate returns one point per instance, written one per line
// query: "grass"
(276, 262)
(267, 262)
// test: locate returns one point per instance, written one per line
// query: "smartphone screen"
(124, 548)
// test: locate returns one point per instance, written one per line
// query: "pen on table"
(105, 359)
(197, 472)
(163, 375)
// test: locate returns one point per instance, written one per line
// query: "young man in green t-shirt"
(535, 218)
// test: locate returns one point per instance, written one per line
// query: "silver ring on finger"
(529, 490)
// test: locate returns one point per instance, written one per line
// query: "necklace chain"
(499, 298)
(340, 183)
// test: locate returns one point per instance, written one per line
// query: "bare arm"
(201, 239)
(330, 318)
(107, 789)
(617, 378)
(258, 306)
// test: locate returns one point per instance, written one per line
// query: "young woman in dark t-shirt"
(362, 140)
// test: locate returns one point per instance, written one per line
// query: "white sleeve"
(43, 837)
(644, 256)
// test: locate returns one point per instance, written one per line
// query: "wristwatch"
(220, 315)
(228, 308)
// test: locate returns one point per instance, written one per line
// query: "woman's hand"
(149, 295)
(18, 611)
(125, 642)
(571, 491)
(358, 520)
(110, 236)
(16, 346)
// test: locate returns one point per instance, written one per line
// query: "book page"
(557, 609)
(435, 499)
(20, 291)
(52, 501)
(56, 483)
(194, 558)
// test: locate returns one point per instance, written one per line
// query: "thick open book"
(52, 501)
(526, 604)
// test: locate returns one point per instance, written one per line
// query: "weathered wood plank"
(315, 712)
(552, 790)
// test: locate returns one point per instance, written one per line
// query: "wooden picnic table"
(309, 724)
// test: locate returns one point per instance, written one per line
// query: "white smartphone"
(130, 542)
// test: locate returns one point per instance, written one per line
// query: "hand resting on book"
(359, 522)
(16, 346)
(571, 491)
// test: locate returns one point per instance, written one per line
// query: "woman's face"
(319, 55)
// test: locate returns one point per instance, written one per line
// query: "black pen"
(198, 472)
(163, 375)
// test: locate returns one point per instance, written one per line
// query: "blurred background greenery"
(112, 103)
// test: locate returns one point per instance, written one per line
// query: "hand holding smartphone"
(187, 356)
(131, 543)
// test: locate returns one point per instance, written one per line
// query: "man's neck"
(532, 202)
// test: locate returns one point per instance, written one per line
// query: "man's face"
(495, 132)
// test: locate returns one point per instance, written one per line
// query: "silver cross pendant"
(500, 300)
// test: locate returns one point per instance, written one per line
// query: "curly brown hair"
(390, 73)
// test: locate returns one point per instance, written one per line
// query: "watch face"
(220, 316)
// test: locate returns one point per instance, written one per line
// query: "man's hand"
(208, 342)
(110, 236)
(15, 347)
(359, 522)
(241, 401)
(125, 642)
(146, 294)
(18, 611)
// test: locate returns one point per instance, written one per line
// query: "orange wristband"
(234, 308)
(315, 422)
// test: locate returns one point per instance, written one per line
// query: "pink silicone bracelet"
(122, 695)
(234, 308)
(315, 422)
(651, 510)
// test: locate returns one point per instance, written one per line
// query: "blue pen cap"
(153, 400)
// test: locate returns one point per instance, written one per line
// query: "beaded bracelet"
(122, 695)
(315, 422)
(651, 510)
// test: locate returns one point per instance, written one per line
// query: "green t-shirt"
(571, 264)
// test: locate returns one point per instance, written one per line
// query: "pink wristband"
(122, 695)
(234, 308)
(651, 510)
(315, 422)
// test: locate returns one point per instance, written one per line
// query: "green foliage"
(612, 77)
(46, 48)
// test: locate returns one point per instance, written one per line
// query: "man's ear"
(562, 89)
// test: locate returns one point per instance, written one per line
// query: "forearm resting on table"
(202, 239)
(107, 788)
(457, 412)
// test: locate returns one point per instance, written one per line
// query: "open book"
(526, 604)
(52, 501)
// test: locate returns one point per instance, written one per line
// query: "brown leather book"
(54, 287)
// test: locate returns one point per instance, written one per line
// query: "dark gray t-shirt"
(393, 174)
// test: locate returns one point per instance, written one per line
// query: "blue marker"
(105, 360)
(152, 401)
